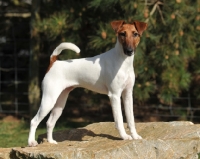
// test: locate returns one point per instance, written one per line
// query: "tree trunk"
(34, 89)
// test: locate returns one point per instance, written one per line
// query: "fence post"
(34, 89)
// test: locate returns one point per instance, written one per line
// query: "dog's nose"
(128, 51)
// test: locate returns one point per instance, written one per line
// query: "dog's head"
(129, 34)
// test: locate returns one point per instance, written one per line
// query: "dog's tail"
(63, 46)
(58, 50)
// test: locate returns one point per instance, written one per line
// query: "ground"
(14, 132)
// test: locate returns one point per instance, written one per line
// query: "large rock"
(161, 140)
(5, 153)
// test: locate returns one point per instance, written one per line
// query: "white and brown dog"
(109, 73)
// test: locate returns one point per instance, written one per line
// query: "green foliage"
(167, 59)
(162, 62)
(98, 42)
(52, 26)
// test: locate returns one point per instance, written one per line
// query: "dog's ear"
(140, 26)
(117, 24)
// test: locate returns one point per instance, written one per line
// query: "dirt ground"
(10, 118)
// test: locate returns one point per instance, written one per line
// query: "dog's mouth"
(128, 51)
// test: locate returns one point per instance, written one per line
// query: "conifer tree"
(164, 60)
(167, 59)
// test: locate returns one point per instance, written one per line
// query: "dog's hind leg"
(56, 113)
(48, 101)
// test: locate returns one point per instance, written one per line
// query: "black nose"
(128, 51)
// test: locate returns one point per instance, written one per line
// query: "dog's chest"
(122, 79)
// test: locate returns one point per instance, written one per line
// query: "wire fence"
(187, 108)
(14, 65)
(13, 87)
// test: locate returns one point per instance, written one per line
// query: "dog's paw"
(32, 143)
(52, 141)
(136, 136)
(127, 137)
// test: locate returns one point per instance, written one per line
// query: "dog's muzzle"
(128, 51)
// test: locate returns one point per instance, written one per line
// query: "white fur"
(109, 73)
(63, 46)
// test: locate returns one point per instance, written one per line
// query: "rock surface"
(161, 140)
(5, 153)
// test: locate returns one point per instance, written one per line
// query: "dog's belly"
(98, 89)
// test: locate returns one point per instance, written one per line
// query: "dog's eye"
(122, 34)
(135, 34)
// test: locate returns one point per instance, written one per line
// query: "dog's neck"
(121, 55)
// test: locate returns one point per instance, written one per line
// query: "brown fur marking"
(128, 40)
(125, 32)
(52, 60)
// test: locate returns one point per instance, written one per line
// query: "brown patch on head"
(52, 60)
(140, 26)
(129, 34)
(117, 24)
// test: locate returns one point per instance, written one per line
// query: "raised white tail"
(63, 46)
(58, 50)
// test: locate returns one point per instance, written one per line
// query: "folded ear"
(117, 24)
(140, 26)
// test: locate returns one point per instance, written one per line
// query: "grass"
(14, 132)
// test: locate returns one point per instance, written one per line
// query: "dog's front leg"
(117, 114)
(128, 105)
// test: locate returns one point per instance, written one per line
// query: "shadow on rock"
(76, 135)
